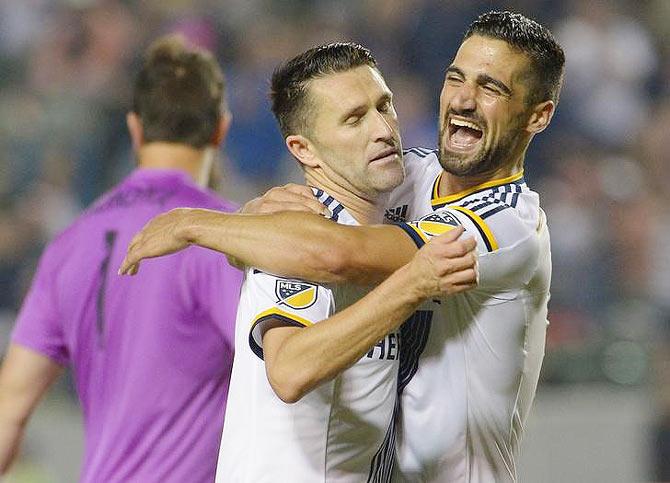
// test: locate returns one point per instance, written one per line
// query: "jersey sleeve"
(38, 326)
(447, 219)
(284, 302)
(508, 247)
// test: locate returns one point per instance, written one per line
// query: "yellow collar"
(436, 200)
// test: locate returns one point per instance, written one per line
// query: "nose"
(383, 129)
(464, 99)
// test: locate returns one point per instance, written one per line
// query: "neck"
(197, 163)
(365, 210)
(451, 184)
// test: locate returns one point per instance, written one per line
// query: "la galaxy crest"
(295, 294)
(437, 223)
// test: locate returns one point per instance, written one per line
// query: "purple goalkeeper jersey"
(151, 354)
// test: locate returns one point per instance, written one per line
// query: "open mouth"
(463, 134)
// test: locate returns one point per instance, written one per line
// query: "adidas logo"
(396, 214)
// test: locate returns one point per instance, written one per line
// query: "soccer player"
(151, 356)
(338, 372)
(470, 363)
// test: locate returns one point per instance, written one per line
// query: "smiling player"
(469, 364)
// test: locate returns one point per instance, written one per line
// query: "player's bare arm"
(290, 197)
(24, 378)
(298, 360)
(291, 244)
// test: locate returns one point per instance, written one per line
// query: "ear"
(222, 128)
(135, 129)
(302, 149)
(540, 117)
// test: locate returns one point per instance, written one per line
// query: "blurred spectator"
(610, 58)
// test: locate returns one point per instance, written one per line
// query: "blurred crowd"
(66, 73)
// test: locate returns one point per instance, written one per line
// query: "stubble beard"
(485, 160)
(386, 180)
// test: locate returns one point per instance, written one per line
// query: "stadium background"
(66, 70)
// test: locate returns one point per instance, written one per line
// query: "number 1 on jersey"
(110, 239)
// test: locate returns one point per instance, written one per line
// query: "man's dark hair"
(545, 55)
(289, 96)
(178, 93)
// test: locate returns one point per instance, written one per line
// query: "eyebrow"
(487, 79)
(354, 111)
(483, 79)
(387, 96)
(359, 109)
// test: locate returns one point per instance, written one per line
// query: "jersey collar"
(438, 202)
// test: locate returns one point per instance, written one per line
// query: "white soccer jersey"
(341, 431)
(470, 363)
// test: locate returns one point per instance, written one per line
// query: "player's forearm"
(275, 243)
(319, 353)
(24, 377)
(301, 245)
(16, 393)
(10, 440)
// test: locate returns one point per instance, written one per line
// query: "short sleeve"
(508, 249)
(281, 301)
(38, 326)
(446, 219)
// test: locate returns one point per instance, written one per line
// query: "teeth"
(460, 123)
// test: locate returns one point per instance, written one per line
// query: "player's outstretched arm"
(24, 378)
(298, 360)
(292, 244)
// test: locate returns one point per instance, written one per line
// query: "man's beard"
(486, 160)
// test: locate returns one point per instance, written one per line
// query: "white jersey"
(470, 363)
(341, 431)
